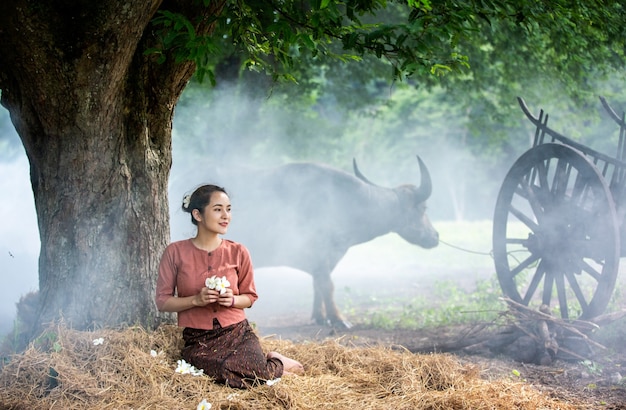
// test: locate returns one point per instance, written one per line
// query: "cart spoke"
(547, 288)
(533, 200)
(592, 249)
(577, 291)
(561, 177)
(560, 291)
(523, 218)
(590, 270)
(542, 189)
(524, 264)
(539, 274)
(542, 171)
(516, 241)
(581, 187)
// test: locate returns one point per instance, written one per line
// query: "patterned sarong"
(231, 355)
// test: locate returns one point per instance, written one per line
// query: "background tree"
(91, 89)
(338, 110)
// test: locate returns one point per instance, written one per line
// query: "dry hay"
(65, 370)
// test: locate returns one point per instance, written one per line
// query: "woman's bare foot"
(290, 366)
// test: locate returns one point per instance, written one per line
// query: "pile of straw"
(64, 369)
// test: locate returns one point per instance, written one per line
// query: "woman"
(217, 335)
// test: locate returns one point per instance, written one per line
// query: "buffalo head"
(411, 222)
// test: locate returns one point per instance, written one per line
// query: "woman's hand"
(205, 297)
(208, 296)
(227, 298)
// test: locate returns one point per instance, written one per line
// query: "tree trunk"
(95, 116)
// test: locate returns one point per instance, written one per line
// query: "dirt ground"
(596, 385)
(284, 309)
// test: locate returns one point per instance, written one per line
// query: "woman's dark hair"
(200, 198)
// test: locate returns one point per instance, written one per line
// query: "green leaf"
(440, 69)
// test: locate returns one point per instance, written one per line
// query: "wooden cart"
(558, 222)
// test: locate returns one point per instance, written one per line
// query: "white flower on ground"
(186, 368)
(153, 353)
(204, 405)
(196, 372)
(183, 367)
(98, 341)
(272, 382)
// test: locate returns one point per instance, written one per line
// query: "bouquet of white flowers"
(216, 283)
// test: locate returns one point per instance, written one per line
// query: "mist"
(217, 139)
(231, 131)
(19, 235)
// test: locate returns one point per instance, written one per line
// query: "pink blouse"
(184, 269)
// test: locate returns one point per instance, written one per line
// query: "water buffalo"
(306, 216)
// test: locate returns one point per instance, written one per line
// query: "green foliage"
(178, 34)
(509, 46)
(417, 38)
(12, 343)
(450, 305)
(593, 368)
(48, 341)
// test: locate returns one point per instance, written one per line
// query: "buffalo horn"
(426, 187)
(359, 175)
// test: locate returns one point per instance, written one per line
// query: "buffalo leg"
(324, 308)
(319, 313)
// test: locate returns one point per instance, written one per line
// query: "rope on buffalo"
(490, 253)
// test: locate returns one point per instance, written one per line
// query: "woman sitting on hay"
(208, 281)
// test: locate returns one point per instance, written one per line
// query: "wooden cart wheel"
(556, 233)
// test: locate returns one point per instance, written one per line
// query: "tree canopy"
(538, 51)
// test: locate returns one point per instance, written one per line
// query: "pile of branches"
(535, 336)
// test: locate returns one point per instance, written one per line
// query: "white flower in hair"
(186, 200)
